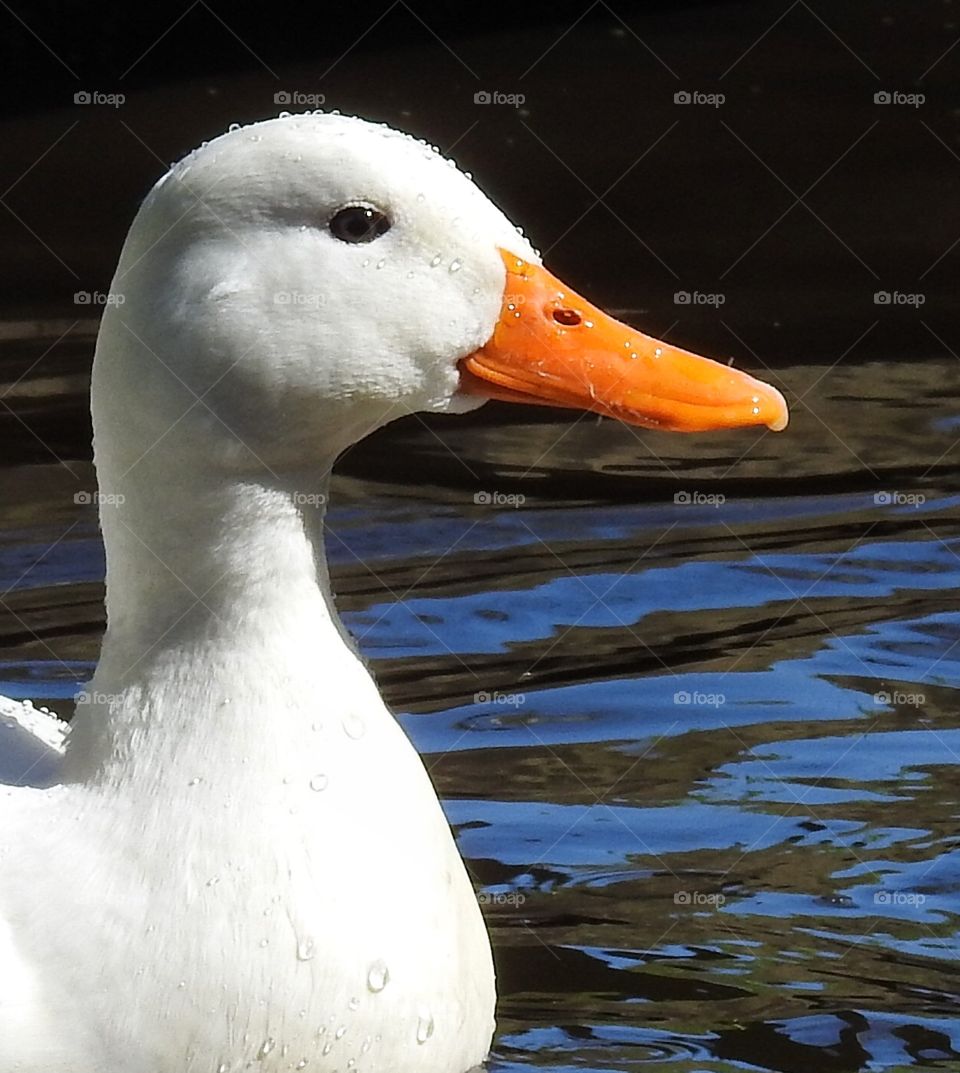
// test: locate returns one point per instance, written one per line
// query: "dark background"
(796, 200)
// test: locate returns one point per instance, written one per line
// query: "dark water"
(702, 757)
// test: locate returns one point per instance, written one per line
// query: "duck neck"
(206, 553)
(219, 610)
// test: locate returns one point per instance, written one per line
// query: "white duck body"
(246, 865)
(243, 864)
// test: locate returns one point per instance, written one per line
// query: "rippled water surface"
(691, 704)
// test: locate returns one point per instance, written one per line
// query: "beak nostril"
(569, 318)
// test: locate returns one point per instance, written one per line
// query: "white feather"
(245, 861)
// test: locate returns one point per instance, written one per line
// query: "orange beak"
(552, 347)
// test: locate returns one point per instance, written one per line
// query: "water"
(691, 705)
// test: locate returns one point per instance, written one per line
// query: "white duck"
(243, 864)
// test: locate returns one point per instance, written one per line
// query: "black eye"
(359, 223)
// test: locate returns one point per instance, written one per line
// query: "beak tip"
(781, 416)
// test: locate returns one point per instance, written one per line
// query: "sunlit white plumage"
(239, 861)
(243, 863)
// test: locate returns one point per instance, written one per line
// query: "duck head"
(301, 281)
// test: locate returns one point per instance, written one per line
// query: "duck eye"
(359, 223)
